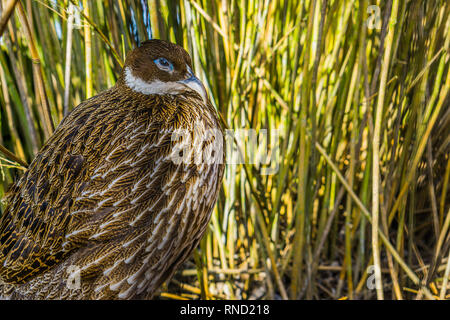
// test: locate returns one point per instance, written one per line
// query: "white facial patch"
(154, 87)
(159, 87)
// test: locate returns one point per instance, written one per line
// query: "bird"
(122, 192)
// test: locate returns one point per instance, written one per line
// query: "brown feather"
(104, 195)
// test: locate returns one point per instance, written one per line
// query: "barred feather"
(105, 196)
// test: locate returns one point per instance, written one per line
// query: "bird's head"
(161, 67)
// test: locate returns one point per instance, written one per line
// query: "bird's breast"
(153, 191)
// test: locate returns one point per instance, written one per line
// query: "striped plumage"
(106, 197)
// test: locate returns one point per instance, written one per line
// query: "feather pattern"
(105, 197)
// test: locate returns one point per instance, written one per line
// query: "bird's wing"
(38, 206)
(103, 172)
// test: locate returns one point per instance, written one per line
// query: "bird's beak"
(193, 83)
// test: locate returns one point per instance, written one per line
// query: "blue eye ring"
(163, 64)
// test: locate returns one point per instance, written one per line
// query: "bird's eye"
(163, 64)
